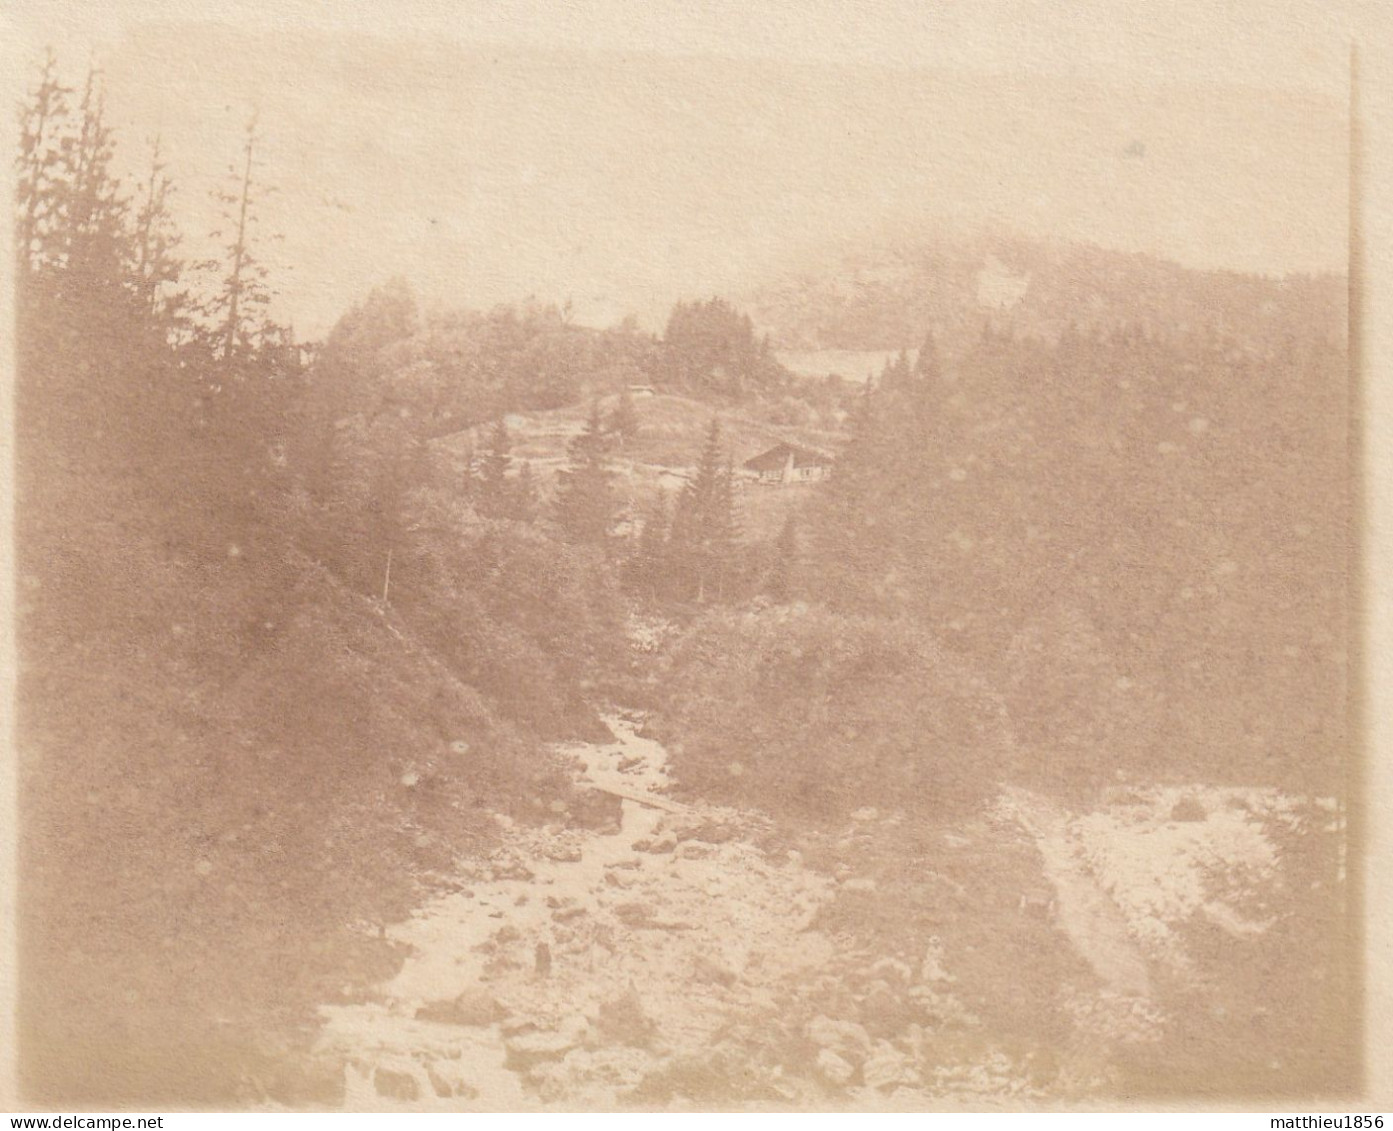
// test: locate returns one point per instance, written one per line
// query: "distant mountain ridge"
(886, 297)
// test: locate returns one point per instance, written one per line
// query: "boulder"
(846, 1038)
(706, 969)
(527, 1050)
(439, 1084)
(635, 914)
(832, 998)
(623, 1020)
(718, 1076)
(711, 832)
(445, 1084)
(313, 1081)
(513, 871)
(669, 925)
(475, 1007)
(391, 1085)
(597, 811)
(885, 1013)
(516, 1025)
(886, 1068)
(695, 850)
(564, 853)
(893, 970)
(833, 1068)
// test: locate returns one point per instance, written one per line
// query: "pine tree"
(647, 567)
(850, 529)
(584, 506)
(525, 494)
(157, 269)
(252, 371)
(928, 369)
(80, 330)
(470, 482)
(95, 248)
(623, 420)
(45, 130)
(724, 537)
(897, 375)
(705, 534)
(236, 311)
(710, 347)
(783, 575)
(160, 301)
(492, 491)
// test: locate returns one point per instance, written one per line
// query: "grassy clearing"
(668, 446)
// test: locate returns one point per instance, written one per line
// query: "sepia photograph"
(667, 558)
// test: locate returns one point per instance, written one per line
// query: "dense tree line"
(1136, 541)
(1139, 538)
(881, 296)
(695, 556)
(383, 393)
(711, 349)
(159, 370)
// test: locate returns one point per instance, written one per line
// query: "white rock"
(893, 967)
(885, 1068)
(833, 1068)
(845, 1036)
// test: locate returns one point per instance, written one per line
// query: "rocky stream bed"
(683, 957)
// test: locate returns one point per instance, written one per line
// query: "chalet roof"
(776, 458)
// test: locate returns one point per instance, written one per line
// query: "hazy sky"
(624, 154)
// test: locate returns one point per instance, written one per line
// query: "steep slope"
(233, 771)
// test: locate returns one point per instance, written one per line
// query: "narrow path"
(1093, 922)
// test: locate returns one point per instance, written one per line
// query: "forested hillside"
(241, 753)
(884, 296)
(1137, 542)
(1154, 527)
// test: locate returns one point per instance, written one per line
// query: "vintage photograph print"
(618, 557)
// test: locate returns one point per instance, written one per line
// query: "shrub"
(798, 707)
(530, 622)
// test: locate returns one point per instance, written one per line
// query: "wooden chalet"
(786, 464)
